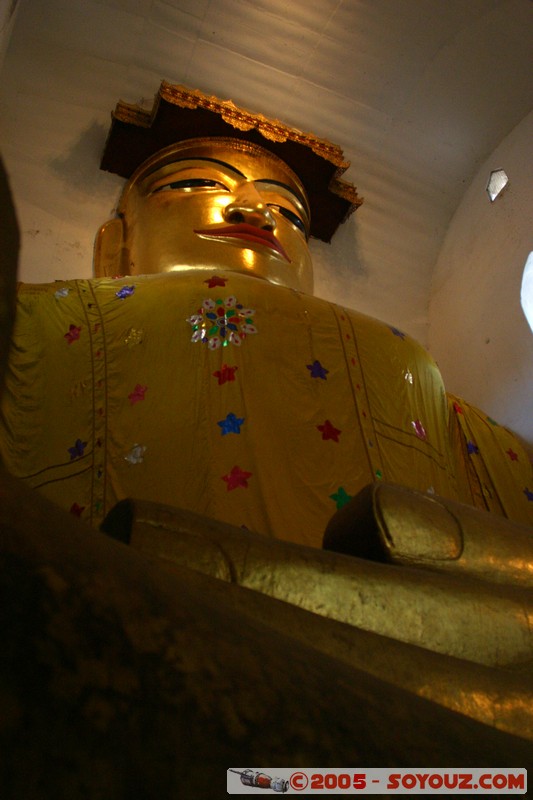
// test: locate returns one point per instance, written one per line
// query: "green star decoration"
(341, 497)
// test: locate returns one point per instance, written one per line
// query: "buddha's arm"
(396, 525)
(319, 582)
(458, 616)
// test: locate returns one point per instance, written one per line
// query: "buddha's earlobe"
(108, 249)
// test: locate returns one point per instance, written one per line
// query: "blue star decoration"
(528, 493)
(231, 424)
(472, 448)
(78, 449)
(396, 332)
(317, 370)
(341, 497)
(126, 291)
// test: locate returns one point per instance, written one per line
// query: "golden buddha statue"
(206, 203)
(198, 375)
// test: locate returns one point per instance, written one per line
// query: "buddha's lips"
(248, 233)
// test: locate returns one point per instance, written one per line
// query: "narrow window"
(526, 294)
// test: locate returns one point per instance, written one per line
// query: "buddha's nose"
(248, 207)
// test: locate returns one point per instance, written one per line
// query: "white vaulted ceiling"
(417, 93)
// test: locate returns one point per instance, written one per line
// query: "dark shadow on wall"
(80, 167)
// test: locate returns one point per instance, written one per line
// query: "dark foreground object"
(120, 679)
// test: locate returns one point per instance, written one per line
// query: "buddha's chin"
(168, 252)
(280, 274)
(188, 269)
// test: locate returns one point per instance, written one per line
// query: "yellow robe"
(248, 402)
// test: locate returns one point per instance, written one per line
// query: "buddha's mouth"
(246, 233)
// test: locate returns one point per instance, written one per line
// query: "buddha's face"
(218, 206)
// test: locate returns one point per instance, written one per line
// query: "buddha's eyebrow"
(287, 187)
(212, 160)
(277, 183)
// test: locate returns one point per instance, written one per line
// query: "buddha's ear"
(108, 249)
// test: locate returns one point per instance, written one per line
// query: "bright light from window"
(498, 180)
(526, 294)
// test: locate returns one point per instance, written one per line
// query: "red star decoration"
(77, 510)
(225, 374)
(138, 394)
(216, 280)
(457, 408)
(237, 477)
(329, 431)
(512, 455)
(73, 334)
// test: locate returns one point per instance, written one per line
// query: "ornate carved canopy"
(179, 113)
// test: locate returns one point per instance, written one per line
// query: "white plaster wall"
(478, 332)
(8, 12)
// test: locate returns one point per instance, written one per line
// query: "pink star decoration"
(138, 394)
(73, 334)
(419, 429)
(512, 455)
(237, 477)
(329, 431)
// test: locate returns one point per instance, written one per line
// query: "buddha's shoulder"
(191, 289)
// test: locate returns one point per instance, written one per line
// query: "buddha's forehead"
(231, 156)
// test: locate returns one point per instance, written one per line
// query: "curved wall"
(478, 332)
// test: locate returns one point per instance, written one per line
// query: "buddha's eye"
(190, 183)
(291, 216)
